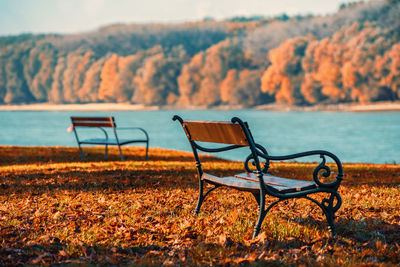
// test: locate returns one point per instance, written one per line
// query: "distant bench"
(105, 122)
(258, 181)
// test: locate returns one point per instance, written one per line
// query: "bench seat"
(250, 182)
(102, 141)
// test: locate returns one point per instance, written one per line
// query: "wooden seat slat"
(221, 132)
(252, 185)
(276, 180)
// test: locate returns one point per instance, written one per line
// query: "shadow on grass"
(365, 230)
(15, 155)
(92, 180)
(50, 250)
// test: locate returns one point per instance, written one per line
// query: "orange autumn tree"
(72, 77)
(38, 71)
(212, 73)
(201, 79)
(353, 65)
(241, 88)
(117, 78)
(55, 95)
(283, 77)
(156, 80)
(109, 79)
(358, 63)
(15, 89)
(322, 67)
(389, 66)
(89, 90)
(228, 84)
(190, 78)
(69, 75)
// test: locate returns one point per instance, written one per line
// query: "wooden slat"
(251, 183)
(215, 132)
(93, 124)
(231, 182)
(91, 119)
(276, 180)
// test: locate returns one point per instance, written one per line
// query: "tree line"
(350, 56)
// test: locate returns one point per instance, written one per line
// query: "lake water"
(353, 137)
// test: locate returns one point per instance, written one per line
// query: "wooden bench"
(101, 123)
(256, 179)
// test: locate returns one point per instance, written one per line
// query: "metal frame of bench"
(105, 122)
(237, 134)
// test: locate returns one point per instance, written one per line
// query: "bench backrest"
(215, 132)
(93, 122)
(234, 134)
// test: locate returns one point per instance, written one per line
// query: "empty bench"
(101, 123)
(256, 178)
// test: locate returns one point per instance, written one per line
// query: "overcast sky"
(72, 16)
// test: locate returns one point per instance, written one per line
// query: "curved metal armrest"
(104, 131)
(134, 128)
(214, 150)
(321, 167)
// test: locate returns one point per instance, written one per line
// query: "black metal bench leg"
(331, 222)
(201, 198)
(105, 151)
(263, 213)
(120, 153)
(81, 152)
(257, 197)
(147, 150)
(261, 216)
(329, 210)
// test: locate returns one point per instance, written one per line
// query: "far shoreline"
(100, 107)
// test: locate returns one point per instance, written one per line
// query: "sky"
(74, 16)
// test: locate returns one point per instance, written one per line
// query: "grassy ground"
(55, 208)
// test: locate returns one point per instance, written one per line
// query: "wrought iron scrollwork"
(329, 208)
(329, 203)
(250, 159)
(326, 172)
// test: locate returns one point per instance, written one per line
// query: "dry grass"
(56, 209)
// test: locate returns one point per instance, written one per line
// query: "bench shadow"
(120, 178)
(349, 228)
(355, 229)
(48, 180)
(14, 155)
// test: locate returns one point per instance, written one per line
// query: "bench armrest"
(104, 131)
(134, 128)
(326, 171)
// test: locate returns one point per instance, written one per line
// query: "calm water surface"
(353, 137)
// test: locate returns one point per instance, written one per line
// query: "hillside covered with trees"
(350, 56)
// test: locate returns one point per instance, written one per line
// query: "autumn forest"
(350, 56)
